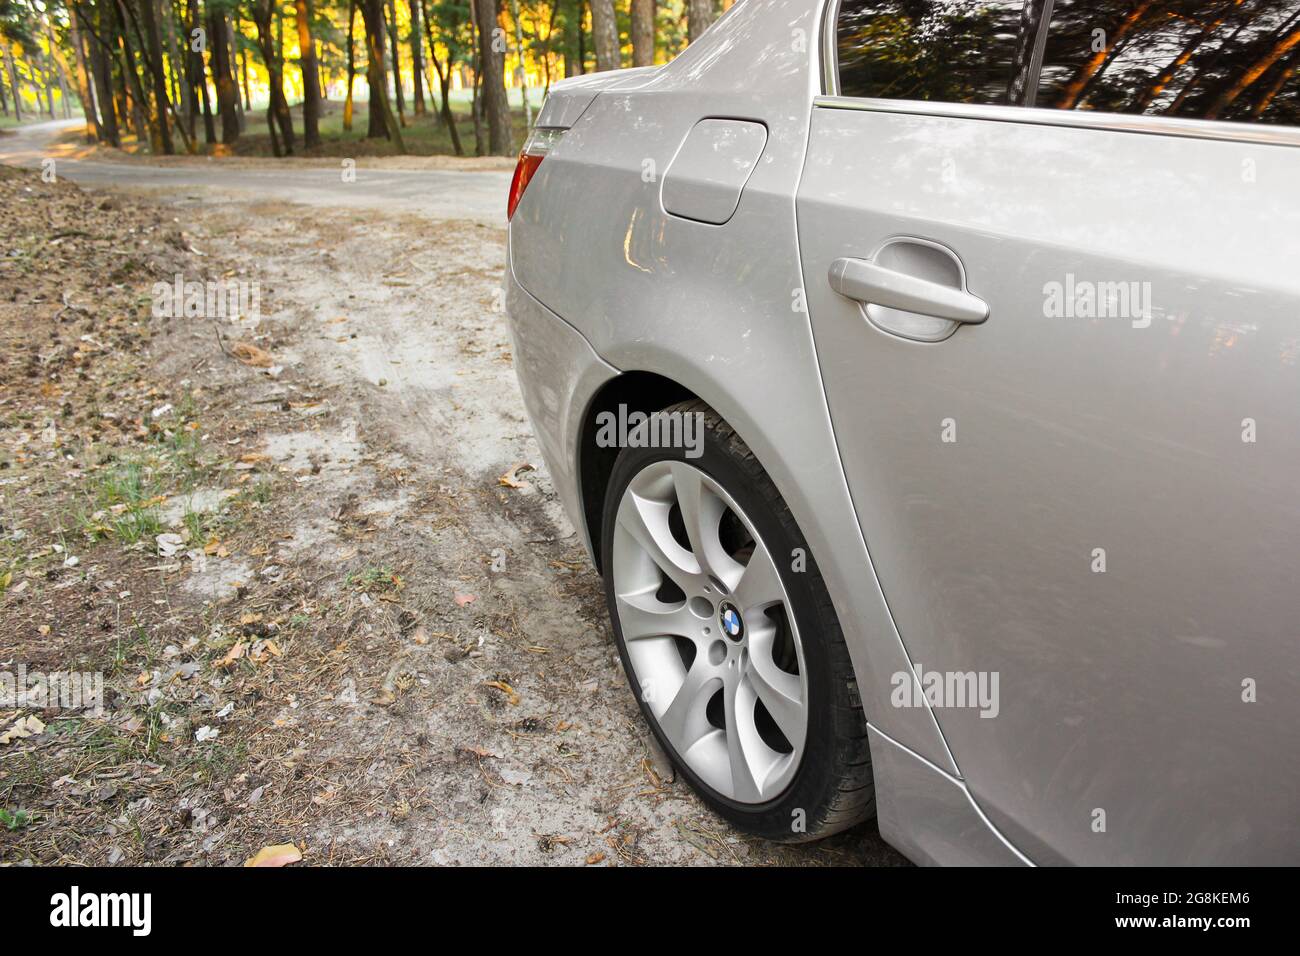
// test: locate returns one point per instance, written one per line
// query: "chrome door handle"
(870, 283)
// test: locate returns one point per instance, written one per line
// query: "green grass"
(126, 493)
(137, 524)
(374, 579)
(423, 135)
(135, 643)
(31, 117)
(14, 819)
(196, 523)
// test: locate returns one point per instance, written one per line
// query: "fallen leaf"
(280, 855)
(263, 650)
(511, 478)
(595, 858)
(250, 354)
(463, 599)
(511, 695)
(169, 544)
(234, 654)
(23, 727)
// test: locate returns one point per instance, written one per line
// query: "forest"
(1227, 60)
(192, 76)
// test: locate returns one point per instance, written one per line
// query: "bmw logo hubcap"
(729, 619)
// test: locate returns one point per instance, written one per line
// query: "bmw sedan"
(924, 378)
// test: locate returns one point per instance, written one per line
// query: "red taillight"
(524, 170)
(530, 157)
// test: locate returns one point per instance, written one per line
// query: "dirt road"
(415, 186)
(472, 709)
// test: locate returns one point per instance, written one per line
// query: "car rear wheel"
(729, 638)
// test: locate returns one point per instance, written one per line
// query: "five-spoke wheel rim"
(711, 638)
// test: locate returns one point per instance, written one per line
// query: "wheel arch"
(638, 391)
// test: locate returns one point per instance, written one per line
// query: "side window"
(1235, 60)
(954, 51)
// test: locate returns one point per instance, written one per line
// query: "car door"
(1060, 346)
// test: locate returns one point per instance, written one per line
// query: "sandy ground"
(480, 708)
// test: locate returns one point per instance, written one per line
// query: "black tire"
(832, 789)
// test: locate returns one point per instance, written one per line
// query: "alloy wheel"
(709, 633)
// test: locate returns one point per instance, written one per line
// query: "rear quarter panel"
(718, 309)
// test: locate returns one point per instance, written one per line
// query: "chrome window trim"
(830, 49)
(1262, 134)
(1040, 49)
(1259, 133)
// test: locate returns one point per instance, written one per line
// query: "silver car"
(924, 377)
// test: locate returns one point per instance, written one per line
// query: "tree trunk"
(85, 89)
(572, 43)
(243, 76)
(496, 109)
(604, 34)
(523, 70)
(1165, 76)
(397, 63)
(101, 73)
(643, 32)
(1095, 64)
(183, 66)
(195, 79)
(1288, 69)
(1284, 44)
(310, 75)
(232, 33)
(222, 76)
(137, 102)
(444, 84)
(60, 68)
(277, 109)
(382, 121)
(699, 17)
(582, 36)
(352, 65)
(417, 61)
(176, 89)
(13, 77)
(154, 63)
(476, 104)
(47, 74)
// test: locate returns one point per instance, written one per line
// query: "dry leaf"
(23, 727)
(595, 858)
(234, 654)
(505, 688)
(511, 478)
(250, 354)
(280, 855)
